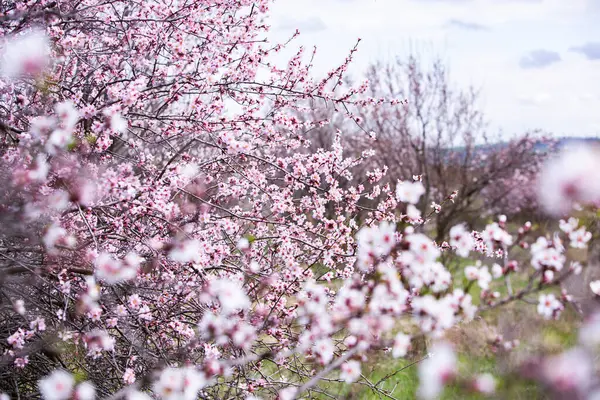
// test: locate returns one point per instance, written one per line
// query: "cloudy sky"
(537, 62)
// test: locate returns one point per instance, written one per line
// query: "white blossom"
(436, 370)
(57, 386)
(350, 371)
(409, 192)
(401, 345)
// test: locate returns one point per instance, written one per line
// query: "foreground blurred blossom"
(135, 395)
(179, 384)
(569, 372)
(186, 251)
(111, 270)
(350, 371)
(375, 242)
(57, 386)
(589, 334)
(85, 391)
(461, 239)
(401, 345)
(436, 371)
(569, 179)
(230, 294)
(485, 383)
(26, 54)
(409, 192)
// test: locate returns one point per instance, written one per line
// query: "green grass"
(516, 320)
(474, 357)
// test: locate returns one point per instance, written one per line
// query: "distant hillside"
(565, 141)
(540, 146)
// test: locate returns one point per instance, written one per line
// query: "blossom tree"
(442, 134)
(165, 236)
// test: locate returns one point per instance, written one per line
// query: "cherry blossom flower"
(21, 362)
(26, 54)
(579, 238)
(350, 371)
(485, 383)
(98, 341)
(186, 251)
(17, 339)
(129, 376)
(20, 306)
(497, 271)
(40, 169)
(56, 235)
(324, 349)
(145, 313)
(569, 225)
(38, 324)
(595, 287)
(413, 214)
(401, 345)
(436, 371)
(179, 383)
(494, 236)
(112, 271)
(85, 391)
(481, 275)
(409, 192)
(117, 123)
(375, 242)
(569, 371)
(549, 306)
(462, 240)
(243, 244)
(134, 301)
(57, 386)
(471, 273)
(230, 294)
(568, 179)
(288, 393)
(547, 254)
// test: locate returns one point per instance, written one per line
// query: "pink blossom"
(568, 179)
(129, 376)
(350, 371)
(436, 371)
(569, 371)
(111, 270)
(179, 384)
(21, 362)
(485, 383)
(25, 54)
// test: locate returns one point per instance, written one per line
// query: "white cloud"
(488, 59)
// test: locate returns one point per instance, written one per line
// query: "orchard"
(170, 230)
